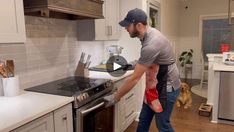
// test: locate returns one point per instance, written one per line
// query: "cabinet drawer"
(129, 96)
(63, 121)
(126, 110)
(43, 124)
(128, 117)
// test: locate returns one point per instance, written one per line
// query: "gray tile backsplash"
(51, 51)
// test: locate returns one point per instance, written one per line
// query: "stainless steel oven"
(94, 117)
(89, 112)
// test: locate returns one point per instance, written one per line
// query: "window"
(215, 32)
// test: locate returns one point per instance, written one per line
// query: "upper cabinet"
(12, 25)
(109, 29)
(64, 9)
(102, 29)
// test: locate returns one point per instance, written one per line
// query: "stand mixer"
(114, 50)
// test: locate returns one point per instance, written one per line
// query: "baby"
(151, 93)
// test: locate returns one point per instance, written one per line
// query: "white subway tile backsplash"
(51, 51)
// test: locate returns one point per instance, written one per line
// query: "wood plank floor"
(188, 120)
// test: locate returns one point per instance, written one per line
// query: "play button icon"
(115, 66)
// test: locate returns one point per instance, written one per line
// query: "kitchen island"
(215, 85)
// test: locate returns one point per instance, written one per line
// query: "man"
(156, 49)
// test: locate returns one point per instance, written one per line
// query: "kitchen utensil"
(82, 57)
(114, 50)
(87, 60)
(87, 64)
(101, 68)
(3, 70)
(11, 67)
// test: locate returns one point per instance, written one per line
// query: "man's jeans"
(162, 119)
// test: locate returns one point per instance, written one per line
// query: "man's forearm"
(132, 81)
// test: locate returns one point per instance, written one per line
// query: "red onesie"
(151, 93)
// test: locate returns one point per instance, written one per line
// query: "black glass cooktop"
(68, 86)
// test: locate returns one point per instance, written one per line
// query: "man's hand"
(110, 100)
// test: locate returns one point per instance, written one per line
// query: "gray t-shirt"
(157, 49)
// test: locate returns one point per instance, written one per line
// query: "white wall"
(51, 51)
(169, 25)
(189, 25)
(170, 21)
(131, 46)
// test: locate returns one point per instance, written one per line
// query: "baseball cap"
(134, 16)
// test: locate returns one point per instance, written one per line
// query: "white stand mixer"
(114, 50)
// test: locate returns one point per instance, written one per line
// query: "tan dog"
(184, 97)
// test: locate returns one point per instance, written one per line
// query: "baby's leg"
(151, 92)
(153, 101)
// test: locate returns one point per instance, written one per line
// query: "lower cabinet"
(125, 109)
(63, 119)
(59, 120)
(43, 124)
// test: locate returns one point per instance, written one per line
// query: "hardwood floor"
(188, 120)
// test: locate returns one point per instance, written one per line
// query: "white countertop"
(222, 67)
(19, 110)
(214, 55)
(105, 75)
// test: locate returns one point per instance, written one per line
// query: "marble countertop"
(19, 110)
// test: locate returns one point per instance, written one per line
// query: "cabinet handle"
(98, 1)
(109, 30)
(129, 114)
(129, 96)
(64, 118)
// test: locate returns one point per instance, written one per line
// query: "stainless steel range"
(89, 112)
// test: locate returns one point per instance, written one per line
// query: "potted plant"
(186, 62)
(185, 58)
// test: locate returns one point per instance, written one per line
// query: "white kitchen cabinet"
(63, 119)
(60, 120)
(43, 124)
(12, 24)
(102, 29)
(108, 28)
(125, 109)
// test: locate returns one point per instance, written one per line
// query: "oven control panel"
(85, 95)
(82, 96)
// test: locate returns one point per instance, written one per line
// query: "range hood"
(64, 9)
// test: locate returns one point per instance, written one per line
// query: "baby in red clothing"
(151, 93)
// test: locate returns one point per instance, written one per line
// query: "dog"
(184, 97)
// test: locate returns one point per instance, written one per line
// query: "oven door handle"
(84, 112)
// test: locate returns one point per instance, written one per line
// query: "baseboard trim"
(138, 115)
(214, 122)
